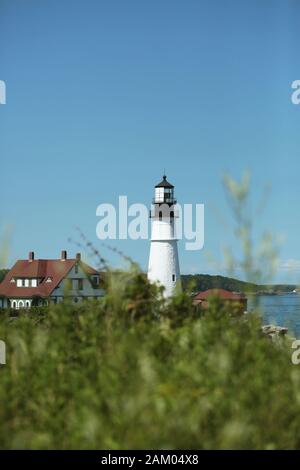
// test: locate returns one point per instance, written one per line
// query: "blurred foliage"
(258, 261)
(3, 273)
(137, 371)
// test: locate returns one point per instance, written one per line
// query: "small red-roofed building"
(236, 300)
(43, 281)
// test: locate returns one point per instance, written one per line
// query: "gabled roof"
(164, 183)
(222, 293)
(56, 269)
(88, 269)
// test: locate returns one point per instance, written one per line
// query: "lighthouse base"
(164, 266)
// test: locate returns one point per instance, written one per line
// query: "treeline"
(201, 282)
(3, 274)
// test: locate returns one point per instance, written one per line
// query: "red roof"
(222, 293)
(56, 269)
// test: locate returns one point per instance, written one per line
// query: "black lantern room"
(164, 193)
(163, 201)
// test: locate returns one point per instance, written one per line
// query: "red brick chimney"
(31, 256)
(63, 255)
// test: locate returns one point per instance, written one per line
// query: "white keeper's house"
(42, 281)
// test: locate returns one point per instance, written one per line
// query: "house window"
(19, 283)
(80, 284)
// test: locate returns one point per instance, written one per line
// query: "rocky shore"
(274, 332)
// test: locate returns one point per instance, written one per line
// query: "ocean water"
(280, 310)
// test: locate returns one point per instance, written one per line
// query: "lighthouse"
(163, 265)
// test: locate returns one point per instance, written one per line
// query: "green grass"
(134, 372)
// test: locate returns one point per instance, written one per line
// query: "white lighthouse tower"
(163, 261)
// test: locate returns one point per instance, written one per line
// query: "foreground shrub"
(135, 372)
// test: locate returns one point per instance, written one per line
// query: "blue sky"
(103, 95)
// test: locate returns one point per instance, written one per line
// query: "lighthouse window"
(173, 277)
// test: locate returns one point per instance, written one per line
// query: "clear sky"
(103, 95)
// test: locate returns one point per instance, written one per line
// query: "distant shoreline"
(207, 281)
(201, 282)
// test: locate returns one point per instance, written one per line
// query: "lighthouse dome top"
(164, 183)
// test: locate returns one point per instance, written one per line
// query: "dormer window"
(28, 282)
